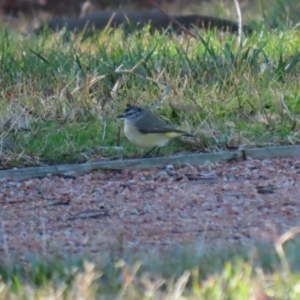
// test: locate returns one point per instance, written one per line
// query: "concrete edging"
(145, 163)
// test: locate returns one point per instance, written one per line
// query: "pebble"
(134, 211)
(162, 174)
(169, 167)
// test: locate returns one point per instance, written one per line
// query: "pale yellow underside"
(149, 140)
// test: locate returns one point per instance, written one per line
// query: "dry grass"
(60, 95)
(120, 280)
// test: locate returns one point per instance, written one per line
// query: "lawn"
(229, 273)
(60, 94)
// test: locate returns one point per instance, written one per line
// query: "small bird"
(146, 130)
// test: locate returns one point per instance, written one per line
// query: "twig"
(5, 245)
(290, 234)
(181, 27)
(239, 21)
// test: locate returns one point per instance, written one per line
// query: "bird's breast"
(144, 140)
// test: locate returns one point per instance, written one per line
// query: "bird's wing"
(159, 127)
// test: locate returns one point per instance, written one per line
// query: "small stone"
(205, 205)
(97, 198)
(14, 184)
(134, 211)
(207, 163)
(100, 191)
(162, 174)
(169, 167)
(148, 209)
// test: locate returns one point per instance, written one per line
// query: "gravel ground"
(239, 202)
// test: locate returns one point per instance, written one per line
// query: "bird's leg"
(147, 153)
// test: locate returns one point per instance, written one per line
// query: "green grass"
(60, 95)
(223, 273)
